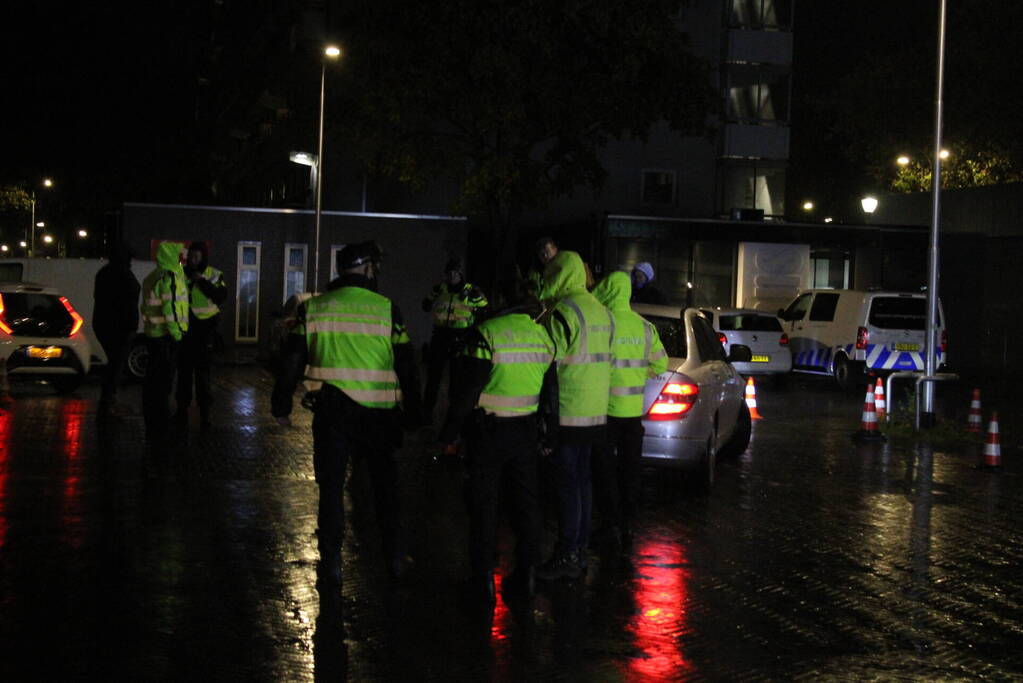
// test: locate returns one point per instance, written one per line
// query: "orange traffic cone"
(973, 421)
(751, 399)
(868, 423)
(879, 404)
(992, 446)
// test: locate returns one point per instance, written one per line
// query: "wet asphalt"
(815, 558)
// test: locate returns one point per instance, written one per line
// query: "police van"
(849, 333)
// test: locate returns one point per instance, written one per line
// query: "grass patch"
(945, 434)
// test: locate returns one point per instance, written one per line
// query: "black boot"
(561, 566)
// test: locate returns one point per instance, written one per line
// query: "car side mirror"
(740, 353)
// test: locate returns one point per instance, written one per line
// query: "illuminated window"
(760, 14)
(247, 294)
(294, 269)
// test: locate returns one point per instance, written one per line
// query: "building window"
(830, 269)
(753, 186)
(294, 269)
(758, 95)
(247, 295)
(760, 14)
(335, 249)
(659, 187)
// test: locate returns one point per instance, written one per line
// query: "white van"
(846, 333)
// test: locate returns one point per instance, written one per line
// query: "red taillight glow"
(783, 340)
(3, 321)
(722, 338)
(675, 401)
(78, 320)
(862, 336)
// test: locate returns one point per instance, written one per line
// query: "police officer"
(636, 355)
(581, 329)
(165, 321)
(206, 292)
(500, 375)
(454, 305)
(359, 348)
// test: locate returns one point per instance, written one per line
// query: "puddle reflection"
(71, 418)
(660, 593)
(5, 440)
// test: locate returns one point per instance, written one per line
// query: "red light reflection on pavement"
(502, 615)
(72, 415)
(660, 593)
(5, 441)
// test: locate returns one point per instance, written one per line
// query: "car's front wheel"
(740, 437)
(848, 374)
(138, 359)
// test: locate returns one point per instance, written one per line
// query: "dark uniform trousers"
(617, 465)
(194, 362)
(344, 430)
(116, 345)
(444, 345)
(289, 374)
(503, 449)
(159, 381)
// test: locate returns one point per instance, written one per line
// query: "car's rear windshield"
(672, 334)
(749, 322)
(36, 315)
(899, 313)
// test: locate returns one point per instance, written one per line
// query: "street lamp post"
(330, 52)
(30, 236)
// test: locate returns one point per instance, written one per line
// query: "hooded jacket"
(206, 286)
(580, 327)
(636, 349)
(165, 295)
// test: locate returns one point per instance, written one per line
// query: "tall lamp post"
(333, 53)
(30, 237)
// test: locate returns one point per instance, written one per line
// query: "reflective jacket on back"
(165, 295)
(580, 327)
(636, 350)
(520, 351)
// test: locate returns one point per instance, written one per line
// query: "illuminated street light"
(48, 239)
(807, 206)
(333, 53)
(944, 154)
(3, 248)
(23, 244)
(828, 219)
(47, 182)
(902, 160)
(83, 233)
(869, 204)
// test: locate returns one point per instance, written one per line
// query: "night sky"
(102, 96)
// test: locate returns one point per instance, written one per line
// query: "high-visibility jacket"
(202, 307)
(580, 327)
(520, 351)
(165, 295)
(455, 307)
(350, 336)
(636, 349)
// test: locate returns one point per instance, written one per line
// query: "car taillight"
(722, 338)
(783, 340)
(78, 320)
(944, 340)
(861, 337)
(674, 401)
(3, 319)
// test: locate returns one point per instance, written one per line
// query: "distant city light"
(828, 219)
(22, 244)
(3, 247)
(944, 154)
(47, 238)
(40, 224)
(83, 233)
(807, 206)
(902, 160)
(47, 182)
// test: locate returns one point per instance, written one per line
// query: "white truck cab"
(847, 333)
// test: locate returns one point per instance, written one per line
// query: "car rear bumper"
(777, 365)
(674, 452)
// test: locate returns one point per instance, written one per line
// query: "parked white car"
(760, 331)
(847, 333)
(695, 410)
(42, 336)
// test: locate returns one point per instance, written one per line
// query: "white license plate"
(761, 359)
(45, 352)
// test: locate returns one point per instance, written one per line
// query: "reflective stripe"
(521, 346)
(523, 357)
(505, 413)
(583, 421)
(156, 319)
(380, 329)
(583, 358)
(509, 401)
(658, 354)
(626, 391)
(204, 309)
(631, 363)
(355, 374)
(154, 302)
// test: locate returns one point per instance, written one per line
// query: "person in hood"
(580, 328)
(115, 319)
(165, 321)
(643, 291)
(207, 291)
(637, 354)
